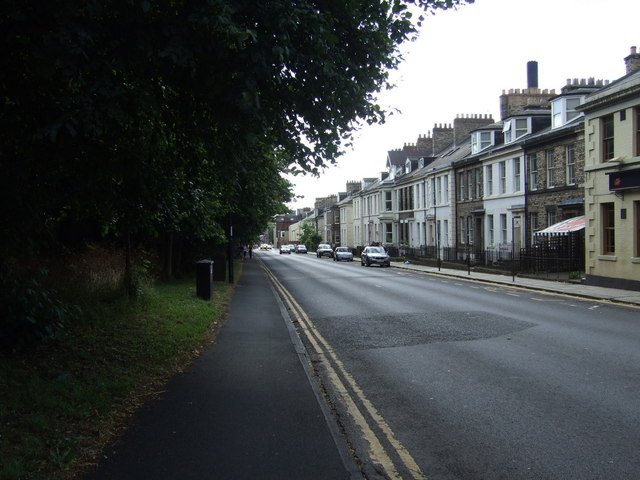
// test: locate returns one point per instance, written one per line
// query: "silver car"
(342, 253)
(374, 256)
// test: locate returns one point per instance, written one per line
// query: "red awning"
(564, 227)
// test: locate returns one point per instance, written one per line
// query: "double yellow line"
(351, 395)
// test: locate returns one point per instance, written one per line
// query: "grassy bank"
(63, 401)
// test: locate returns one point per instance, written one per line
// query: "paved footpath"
(630, 297)
(244, 410)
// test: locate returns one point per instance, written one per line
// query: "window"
(490, 229)
(388, 233)
(489, 175)
(552, 217)
(514, 129)
(502, 168)
(607, 137)
(388, 203)
(636, 227)
(461, 185)
(556, 113)
(445, 233)
(480, 141)
(478, 173)
(463, 233)
(516, 175)
(571, 164)
(563, 110)
(607, 220)
(637, 129)
(533, 172)
(470, 230)
(522, 127)
(550, 183)
(438, 190)
(503, 228)
(445, 189)
(470, 185)
(533, 222)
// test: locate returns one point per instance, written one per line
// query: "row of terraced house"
(553, 185)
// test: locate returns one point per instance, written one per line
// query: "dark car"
(324, 250)
(285, 249)
(375, 256)
(301, 249)
(342, 253)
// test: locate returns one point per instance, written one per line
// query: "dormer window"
(481, 140)
(563, 110)
(514, 129)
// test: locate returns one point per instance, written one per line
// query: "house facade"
(477, 188)
(612, 181)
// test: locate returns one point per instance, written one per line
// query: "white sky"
(465, 58)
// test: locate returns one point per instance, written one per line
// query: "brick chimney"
(632, 61)
(463, 125)
(442, 137)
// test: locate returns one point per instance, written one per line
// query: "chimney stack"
(532, 74)
(632, 62)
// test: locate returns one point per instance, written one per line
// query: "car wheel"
(368, 263)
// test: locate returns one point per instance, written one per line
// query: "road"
(440, 378)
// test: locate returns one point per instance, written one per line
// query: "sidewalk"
(587, 291)
(245, 410)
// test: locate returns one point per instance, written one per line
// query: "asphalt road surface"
(440, 378)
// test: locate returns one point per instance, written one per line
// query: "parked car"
(265, 246)
(285, 249)
(342, 253)
(374, 256)
(301, 249)
(324, 250)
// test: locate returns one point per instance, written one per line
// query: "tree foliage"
(140, 118)
(309, 235)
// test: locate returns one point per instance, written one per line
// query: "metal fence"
(549, 255)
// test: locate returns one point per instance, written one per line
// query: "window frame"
(502, 173)
(607, 135)
(570, 154)
(490, 229)
(608, 227)
(533, 172)
(489, 179)
(550, 168)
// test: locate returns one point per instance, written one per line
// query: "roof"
(616, 90)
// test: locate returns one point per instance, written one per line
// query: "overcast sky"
(465, 58)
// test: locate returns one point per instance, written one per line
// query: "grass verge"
(64, 401)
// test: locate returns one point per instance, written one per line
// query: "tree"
(309, 234)
(145, 118)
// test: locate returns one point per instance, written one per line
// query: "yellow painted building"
(612, 181)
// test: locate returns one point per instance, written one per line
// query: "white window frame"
(570, 152)
(490, 229)
(502, 169)
(563, 110)
(533, 172)
(489, 180)
(503, 228)
(517, 175)
(550, 167)
(481, 141)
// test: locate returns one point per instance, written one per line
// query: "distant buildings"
(491, 191)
